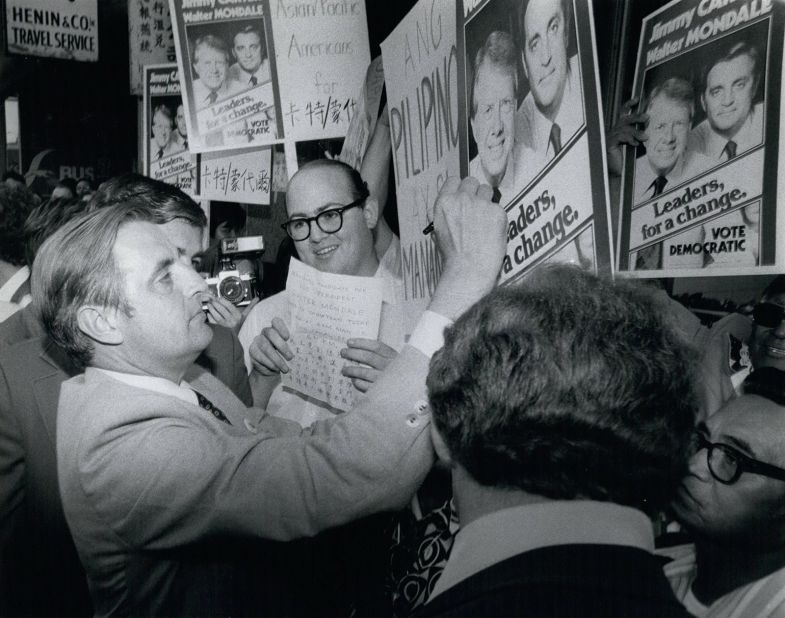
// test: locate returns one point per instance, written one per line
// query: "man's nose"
(316, 232)
(699, 465)
(192, 282)
(779, 330)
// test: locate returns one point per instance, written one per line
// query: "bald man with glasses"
(331, 216)
(732, 501)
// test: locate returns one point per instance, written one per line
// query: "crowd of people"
(569, 445)
(154, 465)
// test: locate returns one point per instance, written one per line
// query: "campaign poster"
(227, 69)
(534, 129)
(63, 30)
(166, 145)
(150, 39)
(243, 176)
(699, 197)
(322, 53)
(421, 74)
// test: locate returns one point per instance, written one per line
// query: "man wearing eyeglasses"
(737, 346)
(330, 219)
(733, 503)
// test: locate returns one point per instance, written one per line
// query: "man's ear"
(100, 324)
(440, 446)
(371, 212)
(703, 102)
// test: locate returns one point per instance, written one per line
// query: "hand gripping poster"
(534, 130)
(700, 195)
(258, 72)
(166, 154)
(421, 73)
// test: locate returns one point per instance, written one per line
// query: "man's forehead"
(543, 9)
(664, 105)
(724, 68)
(490, 71)
(246, 37)
(322, 185)
(137, 239)
(753, 420)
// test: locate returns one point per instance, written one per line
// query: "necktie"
(658, 185)
(253, 81)
(497, 195)
(185, 143)
(206, 404)
(730, 149)
(555, 138)
(212, 97)
(160, 153)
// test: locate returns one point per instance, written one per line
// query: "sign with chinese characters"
(166, 154)
(150, 39)
(64, 30)
(236, 176)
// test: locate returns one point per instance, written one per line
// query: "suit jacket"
(606, 581)
(151, 483)
(35, 544)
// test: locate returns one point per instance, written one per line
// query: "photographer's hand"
(221, 311)
(269, 350)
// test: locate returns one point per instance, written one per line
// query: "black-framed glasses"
(768, 315)
(329, 221)
(727, 463)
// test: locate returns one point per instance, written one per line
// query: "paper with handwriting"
(327, 310)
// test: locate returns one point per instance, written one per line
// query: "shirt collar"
(508, 532)
(570, 114)
(163, 386)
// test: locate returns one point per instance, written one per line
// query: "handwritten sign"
(363, 121)
(322, 53)
(327, 310)
(421, 73)
(236, 176)
(65, 30)
(150, 39)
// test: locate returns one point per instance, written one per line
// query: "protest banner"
(327, 310)
(534, 130)
(150, 39)
(227, 69)
(236, 175)
(64, 30)
(166, 154)
(700, 197)
(421, 73)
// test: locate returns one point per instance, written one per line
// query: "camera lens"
(231, 288)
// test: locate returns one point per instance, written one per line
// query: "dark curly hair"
(570, 387)
(16, 204)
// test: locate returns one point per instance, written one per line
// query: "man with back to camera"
(150, 471)
(733, 123)
(553, 110)
(251, 66)
(494, 89)
(554, 473)
(210, 63)
(732, 502)
(331, 216)
(163, 143)
(35, 539)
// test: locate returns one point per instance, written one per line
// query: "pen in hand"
(428, 228)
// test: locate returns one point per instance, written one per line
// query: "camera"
(237, 285)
